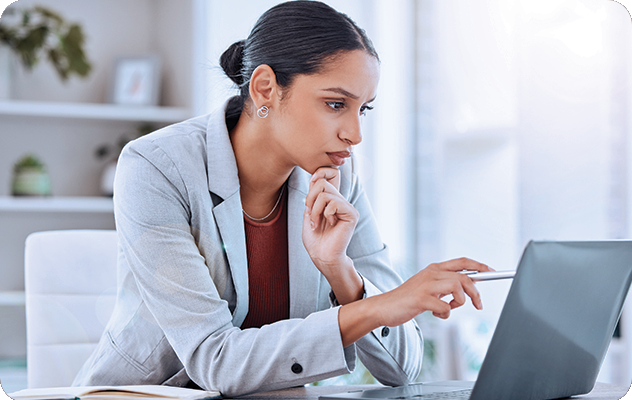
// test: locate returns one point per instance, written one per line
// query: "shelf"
(56, 204)
(93, 111)
(12, 298)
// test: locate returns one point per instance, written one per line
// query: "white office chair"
(70, 282)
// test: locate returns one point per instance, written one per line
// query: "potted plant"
(38, 32)
(30, 177)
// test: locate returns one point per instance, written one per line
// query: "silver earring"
(263, 112)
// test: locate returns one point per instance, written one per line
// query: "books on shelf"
(135, 392)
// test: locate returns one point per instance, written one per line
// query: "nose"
(351, 132)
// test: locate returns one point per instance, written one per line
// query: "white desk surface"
(601, 391)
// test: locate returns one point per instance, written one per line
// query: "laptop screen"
(557, 321)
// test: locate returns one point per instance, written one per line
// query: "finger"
(330, 174)
(458, 286)
(439, 308)
(314, 191)
(307, 222)
(318, 187)
(339, 209)
(441, 315)
(318, 208)
(332, 208)
(470, 289)
(458, 295)
(449, 286)
(460, 264)
(330, 212)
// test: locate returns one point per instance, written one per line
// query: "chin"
(323, 163)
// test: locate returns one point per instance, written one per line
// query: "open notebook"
(115, 393)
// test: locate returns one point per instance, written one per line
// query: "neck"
(260, 169)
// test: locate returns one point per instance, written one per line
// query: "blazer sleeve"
(393, 355)
(180, 292)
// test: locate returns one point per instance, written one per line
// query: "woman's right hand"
(422, 292)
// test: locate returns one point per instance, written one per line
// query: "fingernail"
(311, 224)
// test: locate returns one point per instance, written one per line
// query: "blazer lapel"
(221, 164)
(223, 182)
(230, 223)
(304, 276)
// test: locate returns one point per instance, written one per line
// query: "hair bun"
(231, 62)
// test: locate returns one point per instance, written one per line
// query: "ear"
(263, 86)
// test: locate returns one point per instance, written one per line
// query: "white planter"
(107, 179)
(6, 72)
(31, 182)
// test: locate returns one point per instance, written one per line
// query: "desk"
(601, 391)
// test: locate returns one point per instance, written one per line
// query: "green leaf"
(75, 35)
(47, 13)
(56, 57)
(72, 45)
(29, 46)
(31, 39)
(7, 36)
(28, 161)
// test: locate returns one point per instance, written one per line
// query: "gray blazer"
(183, 279)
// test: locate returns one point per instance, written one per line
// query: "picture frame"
(136, 81)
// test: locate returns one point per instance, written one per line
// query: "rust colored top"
(268, 277)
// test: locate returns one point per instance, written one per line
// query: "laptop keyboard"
(455, 395)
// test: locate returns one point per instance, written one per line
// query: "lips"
(338, 158)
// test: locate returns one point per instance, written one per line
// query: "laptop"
(554, 329)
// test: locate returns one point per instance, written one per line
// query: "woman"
(249, 259)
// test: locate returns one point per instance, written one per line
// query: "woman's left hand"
(328, 224)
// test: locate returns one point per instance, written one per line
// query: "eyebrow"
(343, 92)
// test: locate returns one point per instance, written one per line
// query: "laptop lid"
(557, 321)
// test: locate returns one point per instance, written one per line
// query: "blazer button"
(297, 368)
(385, 331)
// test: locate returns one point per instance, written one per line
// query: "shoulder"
(186, 137)
(174, 155)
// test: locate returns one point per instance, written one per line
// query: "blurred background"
(496, 122)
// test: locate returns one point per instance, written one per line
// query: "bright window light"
(583, 36)
(541, 9)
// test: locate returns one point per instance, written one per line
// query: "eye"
(364, 109)
(336, 105)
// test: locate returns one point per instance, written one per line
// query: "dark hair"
(295, 37)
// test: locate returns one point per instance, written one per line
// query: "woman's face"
(319, 121)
